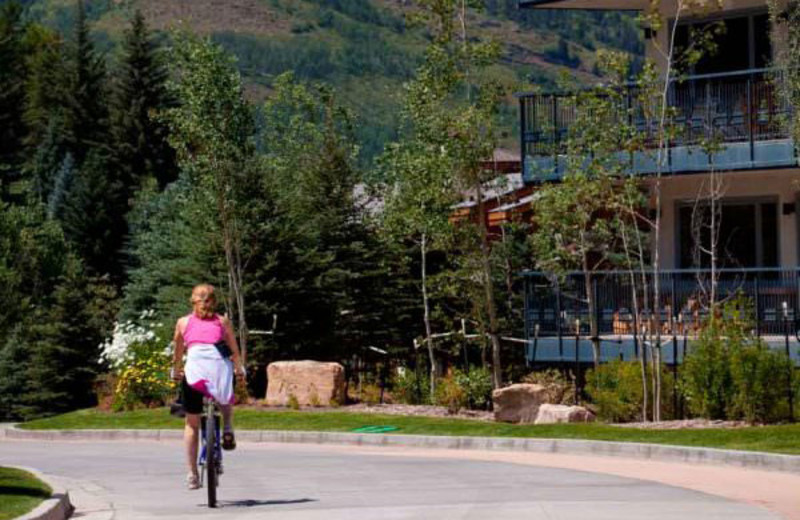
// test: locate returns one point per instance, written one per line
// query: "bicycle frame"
(210, 410)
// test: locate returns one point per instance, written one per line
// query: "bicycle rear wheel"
(211, 460)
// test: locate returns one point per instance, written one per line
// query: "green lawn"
(20, 492)
(778, 439)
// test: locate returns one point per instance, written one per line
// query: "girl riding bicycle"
(208, 372)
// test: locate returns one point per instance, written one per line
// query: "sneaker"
(192, 481)
(228, 441)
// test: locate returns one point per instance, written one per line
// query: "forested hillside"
(366, 49)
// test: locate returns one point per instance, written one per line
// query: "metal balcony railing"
(557, 312)
(746, 113)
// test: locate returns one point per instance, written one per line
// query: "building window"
(748, 235)
(744, 44)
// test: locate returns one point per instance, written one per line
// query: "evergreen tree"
(62, 184)
(94, 216)
(50, 363)
(140, 92)
(12, 93)
(44, 142)
(172, 249)
(33, 254)
(64, 341)
(14, 359)
(85, 113)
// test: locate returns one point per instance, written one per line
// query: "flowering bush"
(128, 338)
(145, 382)
(139, 357)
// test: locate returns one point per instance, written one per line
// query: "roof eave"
(584, 5)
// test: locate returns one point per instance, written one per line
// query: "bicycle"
(210, 460)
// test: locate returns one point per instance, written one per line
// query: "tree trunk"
(662, 145)
(427, 312)
(488, 285)
(643, 364)
(657, 309)
(234, 267)
(593, 325)
(635, 301)
(657, 377)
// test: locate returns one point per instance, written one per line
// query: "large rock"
(559, 413)
(518, 403)
(310, 382)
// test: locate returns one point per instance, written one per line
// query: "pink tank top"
(198, 330)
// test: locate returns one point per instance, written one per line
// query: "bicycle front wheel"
(211, 460)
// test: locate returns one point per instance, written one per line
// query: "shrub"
(140, 364)
(730, 373)
(411, 387)
(292, 402)
(145, 382)
(757, 374)
(370, 393)
(706, 374)
(558, 387)
(615, 390)
(450, 394)
(477, 386)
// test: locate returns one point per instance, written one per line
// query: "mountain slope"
(364, 48)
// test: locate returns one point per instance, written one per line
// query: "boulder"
(560, 413)
(312, 383)
(518, 403)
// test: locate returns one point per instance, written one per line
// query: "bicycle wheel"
(211, 460)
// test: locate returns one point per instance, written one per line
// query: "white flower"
(116, 351)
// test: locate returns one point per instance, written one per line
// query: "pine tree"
(141, 140)
(62, 184)
(12, 94)
(33, 256)
(64, 340)
(43, 113)
(94, 216)
(14, 360)
(85, 113)
(172, 249)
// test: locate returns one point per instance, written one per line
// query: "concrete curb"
(630, 450)
(57, 507)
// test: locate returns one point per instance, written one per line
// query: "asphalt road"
(144, 480)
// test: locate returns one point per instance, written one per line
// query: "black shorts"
(192, 399)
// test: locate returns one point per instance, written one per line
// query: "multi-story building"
(733, 97)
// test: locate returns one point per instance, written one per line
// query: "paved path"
(143, 480)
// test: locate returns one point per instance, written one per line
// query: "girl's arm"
(177, 355)
(230, 339)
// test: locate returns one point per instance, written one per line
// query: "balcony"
(557, 315)
(746, 113)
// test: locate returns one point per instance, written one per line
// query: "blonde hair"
(203, 300)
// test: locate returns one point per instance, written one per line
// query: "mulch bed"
(686, 424)
(389, 409)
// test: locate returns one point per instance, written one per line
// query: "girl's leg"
(190, 438)
(227, 417)
(228, 439)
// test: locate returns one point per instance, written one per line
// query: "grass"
(775, 439)
(20, 492)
